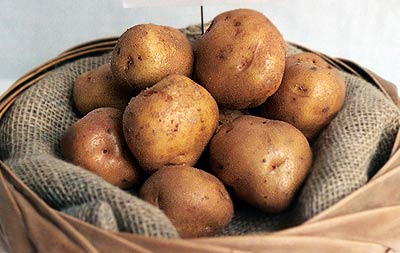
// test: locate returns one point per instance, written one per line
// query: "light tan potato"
(97, 88)
(240, 59)
(96, 143)
(195, 201)
(309, 97)
(147, 53)
(170, 123)
(263, 161)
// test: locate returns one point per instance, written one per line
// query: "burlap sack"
(346, 154)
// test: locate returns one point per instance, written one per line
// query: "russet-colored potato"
(240, 59)
(170, 123)
(310, 96)
(98, 88)
(96, 143)
(262, 161)
(195, 201)
(147, 53)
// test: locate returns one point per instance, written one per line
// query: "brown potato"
(97, 88)
(309, 97)
(195, 201)
(96, 143)
(263, 161)
(240, 59)
(170, 123)
(147, 53)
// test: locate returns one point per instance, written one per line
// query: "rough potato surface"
(310, 96)
(195, 201)
(96, 143)
(147, 53)
(263, 161)
(240, 59)
(98, 88)
(170, 123)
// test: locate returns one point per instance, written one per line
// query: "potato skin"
(309, 97)
(170, 123)
(96, 143)
(307, 57)
(263, 161)
(147, 53)
(240, 59)
(98, 88)
(195, 201)
(227, 116)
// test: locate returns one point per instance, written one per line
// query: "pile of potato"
(163, 107)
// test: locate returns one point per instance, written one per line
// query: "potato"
(170, 123)
(96, 143)
(309, 97)
(240, 59)
(263, 161)
(307, 57)
(146, 53)
(97, 88)
(195, 201)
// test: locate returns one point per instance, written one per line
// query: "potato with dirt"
(146, 53)
(240, 59)
(263, 162)
(195, 201)
(311, 94)
(96, 143)
(170, 123)
(98, 88)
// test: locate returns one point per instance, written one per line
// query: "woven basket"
(365, 221)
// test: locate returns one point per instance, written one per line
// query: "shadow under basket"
(349, 203)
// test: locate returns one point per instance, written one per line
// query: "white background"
(366, 31)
